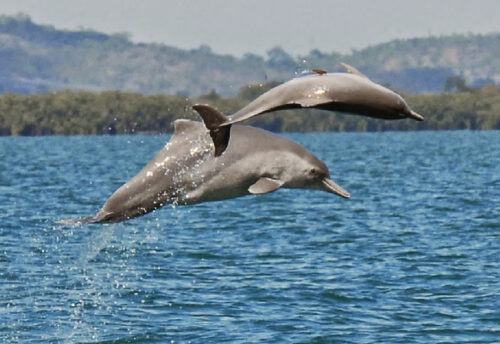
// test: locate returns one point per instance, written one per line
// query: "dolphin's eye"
(317, 173)
(314, 172)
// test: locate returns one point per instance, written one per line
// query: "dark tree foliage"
(455, 83)
(114, 112)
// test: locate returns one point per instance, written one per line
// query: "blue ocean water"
(412, 257)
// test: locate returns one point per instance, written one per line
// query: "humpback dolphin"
(186, 171)
(350, 92)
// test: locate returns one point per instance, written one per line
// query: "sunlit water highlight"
(413, 256)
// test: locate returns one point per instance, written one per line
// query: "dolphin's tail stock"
(213, 118)
(80, 222)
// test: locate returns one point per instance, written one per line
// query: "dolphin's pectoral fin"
(265, 185)
(213, 118)
(352, 70)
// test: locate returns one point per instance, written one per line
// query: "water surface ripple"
(413, 256)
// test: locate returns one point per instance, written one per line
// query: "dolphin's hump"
(182, 126)
(185, 129)
(352, 70)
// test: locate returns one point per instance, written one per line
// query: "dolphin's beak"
(330, 186)
(415, 116)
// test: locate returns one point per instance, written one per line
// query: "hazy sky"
(237, 26)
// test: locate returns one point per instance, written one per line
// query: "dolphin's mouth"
(416, 116)
(330, 186)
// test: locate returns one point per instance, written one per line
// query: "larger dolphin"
(350, 92)
(186, 171)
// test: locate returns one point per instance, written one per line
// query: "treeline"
(114, 112)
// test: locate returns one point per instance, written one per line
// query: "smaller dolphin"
(186, 171)
(350, 92)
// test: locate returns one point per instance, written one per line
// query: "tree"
(455, 83)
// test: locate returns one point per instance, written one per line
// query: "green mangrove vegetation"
(116, 112)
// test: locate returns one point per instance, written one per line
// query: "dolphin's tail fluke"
(79, 222)
(213, 118)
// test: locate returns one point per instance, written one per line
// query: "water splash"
(98, 241)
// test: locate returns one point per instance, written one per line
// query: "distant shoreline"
(115, 112)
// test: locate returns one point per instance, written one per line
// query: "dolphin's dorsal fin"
(352, 70)
(319, 71)
(265, 185)
(213, 118)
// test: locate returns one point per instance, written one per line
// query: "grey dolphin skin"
(186, 171)
(350, 92)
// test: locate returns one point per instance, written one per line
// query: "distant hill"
(36, 58)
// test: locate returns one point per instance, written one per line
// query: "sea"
(412, 257)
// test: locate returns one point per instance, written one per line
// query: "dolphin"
(350, 92)
(186, 171)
